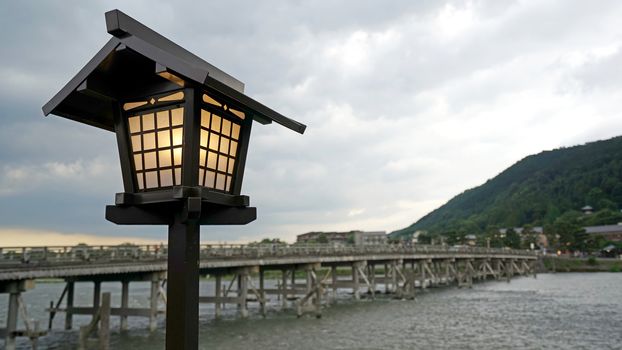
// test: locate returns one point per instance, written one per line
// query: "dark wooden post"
(153, 302)
(218, 294)
(97, 288)
(69, 306)
(104, 322)
(125, 291)
(182, 288)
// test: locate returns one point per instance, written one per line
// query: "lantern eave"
(137, 48)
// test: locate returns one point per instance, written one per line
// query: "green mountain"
(536, 190)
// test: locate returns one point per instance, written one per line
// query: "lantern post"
(182, 128)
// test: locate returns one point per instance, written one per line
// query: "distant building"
(331, 237)
(470, 240)
(587, 210)
(610, 251)
(415, 236)
(370, 238)
(356, 237)
(541, 239)
(609, 232)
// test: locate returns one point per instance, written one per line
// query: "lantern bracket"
(94, 89)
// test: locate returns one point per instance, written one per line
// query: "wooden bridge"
(308, 275)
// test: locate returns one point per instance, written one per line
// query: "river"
(554, 311)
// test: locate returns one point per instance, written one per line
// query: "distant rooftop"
(603, 229)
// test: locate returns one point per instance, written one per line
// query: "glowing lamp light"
(156, 128)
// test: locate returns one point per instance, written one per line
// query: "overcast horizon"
(406, 103)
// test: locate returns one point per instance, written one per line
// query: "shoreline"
(562, 264)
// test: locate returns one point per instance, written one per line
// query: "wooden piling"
(333, 273)
(262, 294)
(69, 305)
(125, 295)
(355, 281)
(104, 322)
(371, 275)
(243, 292)
(153, 304)
(11, 321)
(218, 294)
(386, 279)
(284, 289)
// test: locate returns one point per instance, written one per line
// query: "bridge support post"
(387, 289)
(446, 271)
(313, 292)
(104, 322)
(470, 273)
(15, 309)
(153, 302)
(125, 291)
(97, 289)
(333, 275)
(500, 269)
(243, 292)
(284, 288)
(438, 272)
(262, 294)
(423, 266)
(532, 266)
(355, 281)
(509, 271)
(394, 277)
(465, 277)
(11, 320)
(371, 276)
(218, 294)
(69, 305)
(308, 279)
(410, 285)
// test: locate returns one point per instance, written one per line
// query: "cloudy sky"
(407, 104)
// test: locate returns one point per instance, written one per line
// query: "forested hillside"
(537, 190)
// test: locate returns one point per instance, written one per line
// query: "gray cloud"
(407, 103)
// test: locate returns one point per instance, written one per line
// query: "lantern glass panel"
(156, 142)
(219, 138)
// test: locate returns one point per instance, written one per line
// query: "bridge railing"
(127, 252)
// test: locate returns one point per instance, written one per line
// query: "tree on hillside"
(569, 234)
(453, 237)
(602, 217)
(511, 239)
(529, 237)
(491, 237)
(424, 238)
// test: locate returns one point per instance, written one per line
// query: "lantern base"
(203, 213)
(181, 192)
(196, 204)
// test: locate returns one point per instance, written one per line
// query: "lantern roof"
(138, 60)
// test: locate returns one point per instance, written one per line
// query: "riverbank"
(561, 264)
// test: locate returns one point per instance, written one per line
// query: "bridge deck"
(19, 263)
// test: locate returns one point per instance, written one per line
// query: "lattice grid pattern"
(156, 139)
(218, 152)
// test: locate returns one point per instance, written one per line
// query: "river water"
(554, 311)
